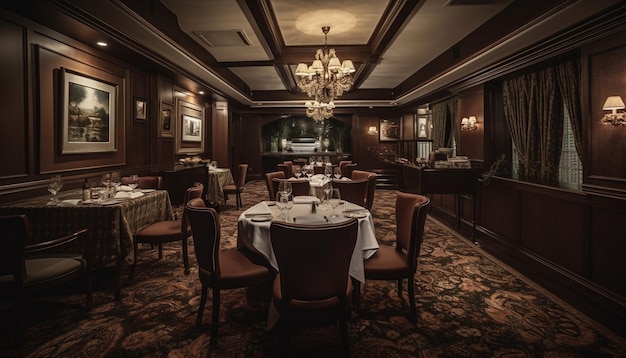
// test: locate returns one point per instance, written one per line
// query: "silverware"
(327, 220)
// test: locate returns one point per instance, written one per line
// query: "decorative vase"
(326, 143)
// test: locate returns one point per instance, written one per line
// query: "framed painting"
(388, 130)
(165, 124)
(192, 129)
(422, 127)
(88, 118)
(141, 109)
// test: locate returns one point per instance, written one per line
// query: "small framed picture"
(422, 127)
(141, 109)
(165, 125)
(388, 130)
(192, 129)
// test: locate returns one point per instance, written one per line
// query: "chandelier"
(325, 79)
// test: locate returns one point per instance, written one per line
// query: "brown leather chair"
(165, 231)
(299, 161)
(146, 182)
(354, 191)
(313, 285)
(371, 185)
(269, 178)
(237, 187)
(343, 166)
(219, 269)
(400, 261)
(28, 269)
(299, 187)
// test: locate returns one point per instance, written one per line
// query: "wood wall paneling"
(14, 129)
(139, 142)
(51, 57)
(220, 150)
(607, 249)
(471, 143)
(500, 211)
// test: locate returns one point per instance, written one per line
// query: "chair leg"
(343, 327)
(239, 202)
(215, 316)
(185, 256)
(134, 264)
(411, 291)
(160, 251)
(400, 288)
(202, 304)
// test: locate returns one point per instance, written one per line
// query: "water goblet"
(116, 180)
(134, 182)
(334, 200)
(328, 188)
(328, 171)
(284, 187)
(337, 172)
(297, 171)
(55, 185)
(281, 204)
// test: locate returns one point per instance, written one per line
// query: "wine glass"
(337, 172)
(106, 180)
(309, 170)
(284, 187)
(328, 171)
(281, 203)
(328, 188)
(116, 180)
(334, 200)
(134, 181)
(297, 171)
(55, 185)
(289, 206)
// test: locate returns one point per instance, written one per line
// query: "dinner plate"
(261, 218)
(355, 214)
(147, 190)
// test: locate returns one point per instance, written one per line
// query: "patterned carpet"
(469, 305)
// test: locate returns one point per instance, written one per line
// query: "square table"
(111, 224)
(218, 177)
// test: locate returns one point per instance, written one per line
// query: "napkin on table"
(125, 195)
(70, 202)
(260, 209)
(305, 199)
(124, 188)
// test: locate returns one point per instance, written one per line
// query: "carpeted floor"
(469, 305)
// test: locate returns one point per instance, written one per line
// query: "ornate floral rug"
(469, 305)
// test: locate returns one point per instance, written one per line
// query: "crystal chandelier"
(325, 79)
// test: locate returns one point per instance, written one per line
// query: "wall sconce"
(613, 103)
(468, 124)
(372, 131)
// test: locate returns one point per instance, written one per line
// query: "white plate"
(261, 218)
(355, 214)
(147, 190)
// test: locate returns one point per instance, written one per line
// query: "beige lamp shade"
(613, 103)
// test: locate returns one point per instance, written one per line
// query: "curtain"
(456, 122)
(568, 75)
(534, 111)
(439, 112)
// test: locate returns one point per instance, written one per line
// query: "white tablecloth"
(255, 235)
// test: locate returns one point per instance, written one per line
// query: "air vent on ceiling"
(224, 38)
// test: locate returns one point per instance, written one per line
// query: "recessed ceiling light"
(102, 44)
(201, 92)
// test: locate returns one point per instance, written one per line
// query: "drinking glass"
(116, 180)
(55, 185)
(328, 188)
(297, 171)
(134, 181)
(334, 200)
(106, 180)
(309, 170)
(284, 187)
(337, 172)
(281, 204)
(328, 171)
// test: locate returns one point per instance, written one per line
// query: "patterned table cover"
(218, 177)
(111, 227)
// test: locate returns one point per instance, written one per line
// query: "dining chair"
(299, 187)
(299, 161)
(146, 182)
(237, 187)
(219, 269)
(400, 261)
(343, 165)
(349, 169)
(354, 191)
(166, 231)
(269, 177)
(372, 179)
(313, 285)
(29, 269)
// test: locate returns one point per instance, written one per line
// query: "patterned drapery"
(533, 109)
(443, 113)
(568, 75)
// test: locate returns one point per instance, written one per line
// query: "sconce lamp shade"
(613, 103)
(372, 131)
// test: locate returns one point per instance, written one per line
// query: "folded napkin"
(318, 177)
(258, 210)
(351, 207)
(127, 195)
(305, 199)
(124, 188)
(69, 202)
(310, 220)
